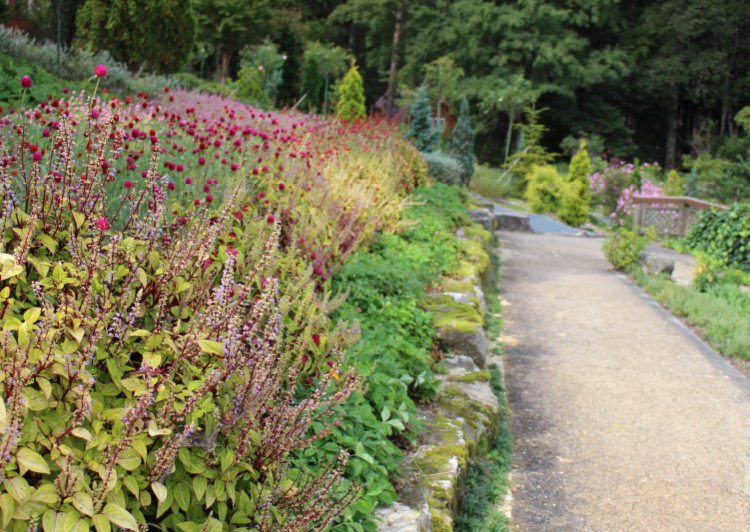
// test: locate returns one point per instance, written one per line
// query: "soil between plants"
(620, 423)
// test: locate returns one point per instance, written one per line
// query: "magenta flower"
(128, 184)
(102, 224)
(26, 82)
(37, 156)
(100, 71)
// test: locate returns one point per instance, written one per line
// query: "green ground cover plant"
(720, 311)
(395, 354)
(623, 247)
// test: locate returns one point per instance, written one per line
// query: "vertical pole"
(509, 135)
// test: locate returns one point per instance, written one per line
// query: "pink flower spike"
(100, 71)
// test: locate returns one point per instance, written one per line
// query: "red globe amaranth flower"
(209, 198)
(128, 184)
(201, 160)
(26, 82)
(100, 71)
(170, 186)
(37, 156)
(45, 133)
(271, 219)
(318, 271)
(282, 186)
(188, 181)
(313, 256)
(102, 224)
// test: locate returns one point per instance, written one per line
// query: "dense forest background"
(649, 80)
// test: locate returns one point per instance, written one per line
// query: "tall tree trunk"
(224, 66)
(670, 159)
(394, 56)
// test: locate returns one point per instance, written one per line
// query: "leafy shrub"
(444, 168)
(573, 209)
(623, 248)
(145, 382)
(395, 353)
(580, 168)
(544, 189)
(723, 236)
(77, 64)
(43, 83)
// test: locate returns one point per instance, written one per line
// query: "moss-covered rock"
(451, 314)
(477, 254)
(480, 233)
(475, 376)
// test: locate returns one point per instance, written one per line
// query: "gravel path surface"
(620, 422)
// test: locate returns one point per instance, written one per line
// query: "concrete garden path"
(621, 423)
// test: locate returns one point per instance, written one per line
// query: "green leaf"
(160, 490)
(210, 347)
(119, 516)
(227, 458)
(83, 503)
(182, 496)
(53, 521)
(101, 522)
(199, 486)
(132, 484)
(28, 459)
(48, 242)
(79, 219)
(80, 432)
(7, 505)
(213, 525)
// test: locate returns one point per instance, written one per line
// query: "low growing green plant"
(623, 247)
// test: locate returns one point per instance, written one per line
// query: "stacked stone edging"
(462, 423)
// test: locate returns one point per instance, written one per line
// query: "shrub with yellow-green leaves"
(149, 371)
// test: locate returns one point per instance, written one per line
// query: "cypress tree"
(463, 142)
(352, 95)
(580, 168)
(421, 132)
(311, 83)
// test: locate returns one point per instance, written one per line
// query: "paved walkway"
(542, 224)
(620, 422)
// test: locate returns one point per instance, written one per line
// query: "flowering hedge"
(166, 336)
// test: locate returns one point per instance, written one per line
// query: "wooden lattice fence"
(670, 215)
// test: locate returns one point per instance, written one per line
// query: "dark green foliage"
(351, 104)
(158, 32)
(311, 83)
(724, 236)
(395, 354)
(463, 142)
(425, 137)
(42, 83)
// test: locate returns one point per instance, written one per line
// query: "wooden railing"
(670, 215)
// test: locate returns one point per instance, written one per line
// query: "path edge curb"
(708, 352)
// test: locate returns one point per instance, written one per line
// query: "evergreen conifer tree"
(311, 83)
(463, 142)
(421, 132)
(691, 185)
(580, 168)
(352, 95)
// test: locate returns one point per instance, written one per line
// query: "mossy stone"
(464, 269)
(439, 522)
(477, 254)
(451, 314)
(460, 287)
(475, 376)
(480, 232)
